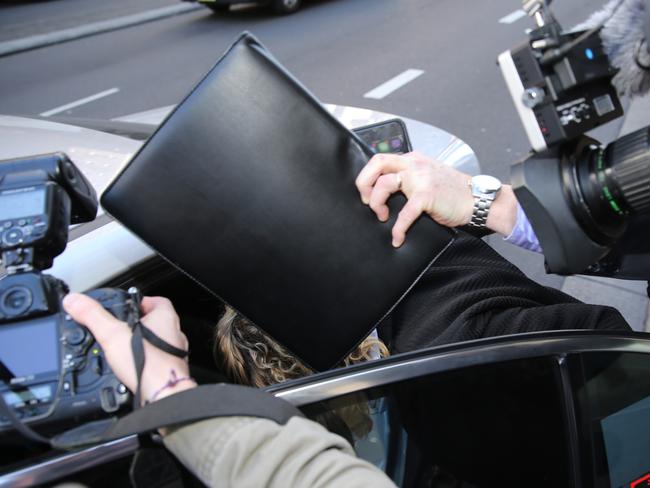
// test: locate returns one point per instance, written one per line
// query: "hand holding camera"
(115, 338)
(64, 377)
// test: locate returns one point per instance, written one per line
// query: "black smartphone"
(389, 136)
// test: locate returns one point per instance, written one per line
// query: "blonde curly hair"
(248, 356)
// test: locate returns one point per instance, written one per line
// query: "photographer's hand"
(114, 337)
(224, 451)
(431, 187)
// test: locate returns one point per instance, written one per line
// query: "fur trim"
(621, 36)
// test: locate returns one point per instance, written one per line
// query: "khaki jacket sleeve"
(253, 452)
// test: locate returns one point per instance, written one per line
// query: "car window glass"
(492, 425)
(613, 411)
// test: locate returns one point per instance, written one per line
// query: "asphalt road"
(22, 18)
(340, 49)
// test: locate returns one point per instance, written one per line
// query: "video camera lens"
(16, 301)
(607, 185)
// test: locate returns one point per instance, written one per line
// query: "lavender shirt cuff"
(522, 234)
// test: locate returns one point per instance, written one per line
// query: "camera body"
(58, 371)
(52, 371)
(585, 201)
(34, 216)
(563, 100)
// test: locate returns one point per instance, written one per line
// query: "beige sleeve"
(253, 452)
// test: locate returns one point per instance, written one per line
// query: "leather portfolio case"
(248, 187)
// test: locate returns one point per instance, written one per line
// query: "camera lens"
(16, 301)
(629, 160)
(608, 185)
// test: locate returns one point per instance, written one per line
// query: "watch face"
(485, 184)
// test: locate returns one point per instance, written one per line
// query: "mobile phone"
(389, 136)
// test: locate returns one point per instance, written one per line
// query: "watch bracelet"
(480, 212)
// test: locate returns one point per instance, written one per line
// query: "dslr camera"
(52, 372)
(588, 203)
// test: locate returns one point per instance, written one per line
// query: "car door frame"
(331, 384)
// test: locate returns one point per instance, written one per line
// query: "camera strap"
(17, 424)
(208, 401)
(140, 333)
(200, 403)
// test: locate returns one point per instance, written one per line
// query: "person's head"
(250, 357)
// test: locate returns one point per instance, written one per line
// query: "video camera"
(589, 204)
(52, 372)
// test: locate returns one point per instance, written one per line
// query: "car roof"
(97, 154)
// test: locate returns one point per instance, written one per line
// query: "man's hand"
(115, 338)
(430, 186)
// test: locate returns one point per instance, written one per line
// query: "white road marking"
(393, 84)
(512, 17)
(82, 101)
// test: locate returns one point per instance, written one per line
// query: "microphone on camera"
(625, 36)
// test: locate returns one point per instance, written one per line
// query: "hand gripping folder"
(248, 187)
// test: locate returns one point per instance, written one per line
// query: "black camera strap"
(5, 376)
(200, 403)
(140, 333)
(17, 424)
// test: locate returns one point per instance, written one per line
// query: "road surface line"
(82, 101)
(41, 40)
(512, 17)
(393, 84)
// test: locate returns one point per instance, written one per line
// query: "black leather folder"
(248, 187)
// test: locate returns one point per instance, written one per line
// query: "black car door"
(541, 410)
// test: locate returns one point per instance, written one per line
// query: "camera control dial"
(12, 236)
(74, 334)
(15, 301)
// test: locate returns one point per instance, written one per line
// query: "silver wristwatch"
(484, 190)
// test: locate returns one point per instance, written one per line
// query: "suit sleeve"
(471, 292)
